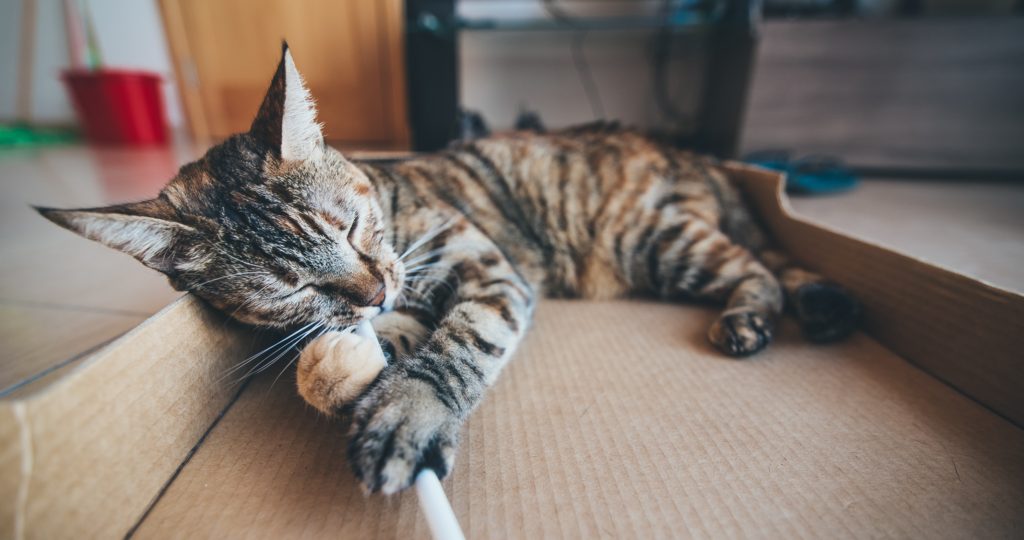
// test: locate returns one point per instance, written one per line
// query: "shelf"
(687, 20)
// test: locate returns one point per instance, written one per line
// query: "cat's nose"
(378, 299)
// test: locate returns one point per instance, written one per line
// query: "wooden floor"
(971, 227)
(62, 296)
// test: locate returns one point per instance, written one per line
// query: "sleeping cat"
(448, 253)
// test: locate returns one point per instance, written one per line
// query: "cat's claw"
(399, 428)
(741, 333)
(335, 368)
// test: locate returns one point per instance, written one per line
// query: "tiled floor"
(61, 295)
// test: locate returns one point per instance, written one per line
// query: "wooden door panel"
(349, 52)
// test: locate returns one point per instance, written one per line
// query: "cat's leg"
(400, 332)
(410, 416)
(336, 367)
(688, 257)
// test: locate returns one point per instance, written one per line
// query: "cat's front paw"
(741, 333)
(335, 368)
(399, 428)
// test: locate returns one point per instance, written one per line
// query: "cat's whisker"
(269, 350)
(420, 270)
(424, 299)
(412, 293)
(424, 256)
(428, 236)
(324, 330)
(415, 303)
(294, 343)
(446, 283)
(262, 366)
(282, 340)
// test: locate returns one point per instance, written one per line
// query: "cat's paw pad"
(335, 368)
(741, 333)
(396, 433)
(826, 311)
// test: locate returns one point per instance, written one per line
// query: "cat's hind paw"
(741, 333)
(335, 368)
(826, 311)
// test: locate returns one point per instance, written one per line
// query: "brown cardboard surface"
(964, 332)
(618, 420)
(84, 456)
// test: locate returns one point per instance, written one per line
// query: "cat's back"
(575, 181)
(551, 198)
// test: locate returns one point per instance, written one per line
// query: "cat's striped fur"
(278, 230)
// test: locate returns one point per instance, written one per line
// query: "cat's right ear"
(144, 230)
(286, 122)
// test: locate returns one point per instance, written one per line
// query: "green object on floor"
(23, 135)
(808, 175)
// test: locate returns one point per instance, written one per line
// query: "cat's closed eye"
(352, 228)
(304, 288)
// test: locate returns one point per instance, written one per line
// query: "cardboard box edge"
(998, 390)
(127, 406)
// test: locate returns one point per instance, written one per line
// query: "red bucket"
(118, 107)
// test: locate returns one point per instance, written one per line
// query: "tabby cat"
(447, 254)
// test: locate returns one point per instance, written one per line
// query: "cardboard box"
(614, 419)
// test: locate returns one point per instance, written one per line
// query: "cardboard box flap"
(87, 454)
(965, 332)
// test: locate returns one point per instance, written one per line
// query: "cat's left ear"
(286, 122)
(145, 230)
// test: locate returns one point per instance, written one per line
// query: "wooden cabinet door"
(349, 51)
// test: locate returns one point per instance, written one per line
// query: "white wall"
(502, 71)
(130, 36)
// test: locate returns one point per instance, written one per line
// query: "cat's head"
(271, 226)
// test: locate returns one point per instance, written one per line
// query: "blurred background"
(902, 83)
(898, 121)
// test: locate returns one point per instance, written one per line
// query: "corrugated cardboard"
(84, 456)
(614, 419)
(967, 333)
(617, 420)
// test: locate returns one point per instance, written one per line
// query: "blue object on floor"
(809, 175)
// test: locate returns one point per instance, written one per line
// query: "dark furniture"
(432, 43)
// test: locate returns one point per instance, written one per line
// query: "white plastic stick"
(365, 330)
(434, 503)
(436, 508)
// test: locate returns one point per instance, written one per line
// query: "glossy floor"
(61, 295)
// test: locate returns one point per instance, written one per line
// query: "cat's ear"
(145, 230)
(286, 122)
